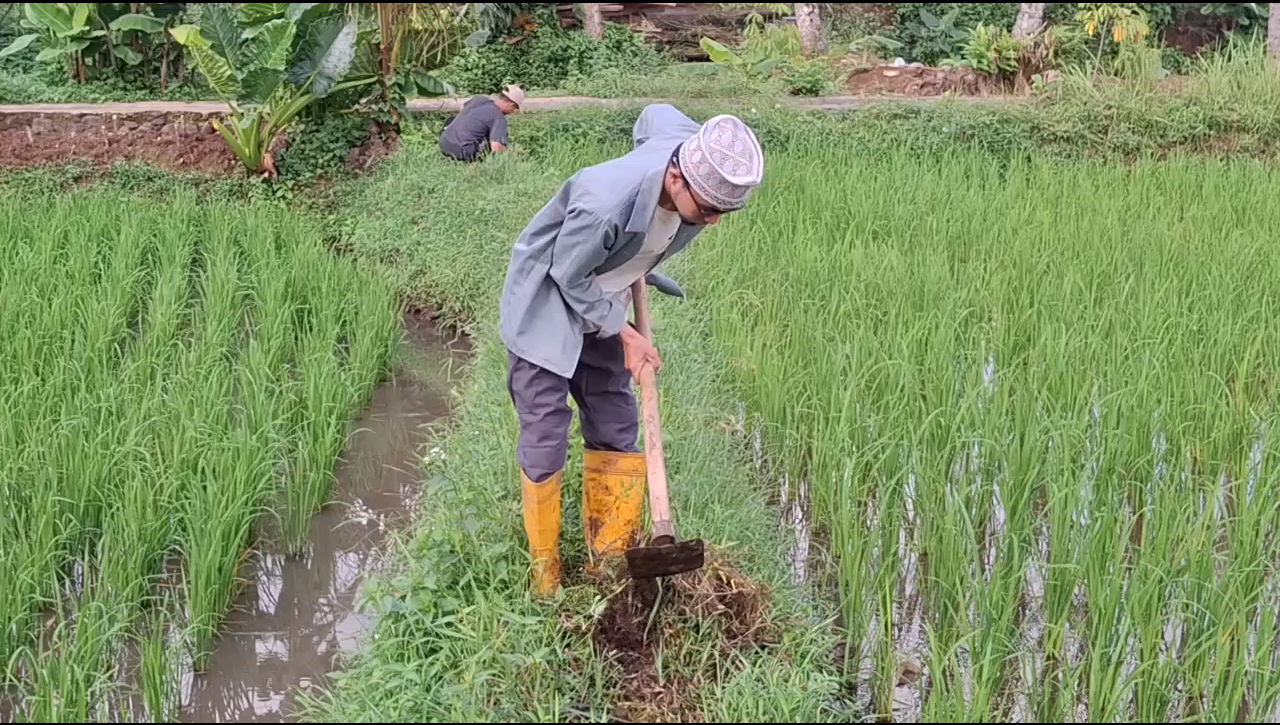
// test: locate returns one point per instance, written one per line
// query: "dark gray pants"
(601, 386)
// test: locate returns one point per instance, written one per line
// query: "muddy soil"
(198, 149)
(643, 614)
(298, 613)
(180, 145)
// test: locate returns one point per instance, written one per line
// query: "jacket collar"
(647, 198)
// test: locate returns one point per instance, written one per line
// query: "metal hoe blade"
(665, 558)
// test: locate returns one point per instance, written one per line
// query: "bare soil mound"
(171, 147)
(645, 624)
(180, 143)
(918, 81)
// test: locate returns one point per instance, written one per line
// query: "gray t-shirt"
(478, 123)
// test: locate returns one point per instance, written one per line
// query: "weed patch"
(665, 638)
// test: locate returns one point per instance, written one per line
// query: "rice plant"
(174, 375)
(1048, 390)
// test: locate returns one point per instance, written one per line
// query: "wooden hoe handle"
(655, 460)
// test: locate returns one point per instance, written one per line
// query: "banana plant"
(268, 62)
(763, 48)
(406, 44)
(102, 35)
(65, 31)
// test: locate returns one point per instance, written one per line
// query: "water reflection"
(296, 617)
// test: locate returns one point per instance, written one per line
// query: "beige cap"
(515, 94)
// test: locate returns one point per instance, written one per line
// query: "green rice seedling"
(68, 672)
(160, 653)
(1004, 345)
(146, 377)
(320, 426)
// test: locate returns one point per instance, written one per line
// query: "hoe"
(664, 556)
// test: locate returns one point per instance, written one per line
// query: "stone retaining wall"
(154, 122)
(181, 115)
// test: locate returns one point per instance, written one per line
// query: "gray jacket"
(595, 222)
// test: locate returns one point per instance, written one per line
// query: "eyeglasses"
(703, 210)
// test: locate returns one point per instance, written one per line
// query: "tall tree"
(593, 20)
(813, 41)
(1030, 20)
(1273, 32)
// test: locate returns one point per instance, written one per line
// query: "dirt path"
(423, 105)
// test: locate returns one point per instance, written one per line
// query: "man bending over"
(481, 125)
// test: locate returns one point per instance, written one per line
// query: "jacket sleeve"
(581, 245)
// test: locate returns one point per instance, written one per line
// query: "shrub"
(806, 78)
(549, 57)
(992, 51)
(320, 145)
(931, 32)
(931, 44)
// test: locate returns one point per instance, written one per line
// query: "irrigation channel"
(297, 614)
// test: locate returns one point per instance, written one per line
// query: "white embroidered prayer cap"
(723, 162)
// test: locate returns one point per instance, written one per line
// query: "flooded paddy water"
(295, 615)
(298, 614)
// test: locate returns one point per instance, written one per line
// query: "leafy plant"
(496, 18)
(1122, 23)
(268, 62)
(748, 63)
(322, 148)
(765, 47)
(64, 30)
(775, 8)
(401, 47)
(806, 77)
(552, 58)
(1055, 47)
(992, 51)
(873, 46)
(272, 61)
(107, 37)
(939, 37)
(1138, 62)
(1242, 15)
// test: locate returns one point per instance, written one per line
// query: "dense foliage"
(549, 57)
(271, 61)
(99, 40)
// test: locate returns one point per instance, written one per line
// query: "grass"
(459, 638)
(691, 81)
(855, 313)
(840, 308)
(1035, 404)
(174, 374)
(1063, 569)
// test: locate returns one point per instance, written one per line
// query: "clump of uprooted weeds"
(669, 639)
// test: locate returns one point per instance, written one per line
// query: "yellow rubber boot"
(613, 489)
(542, 525)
